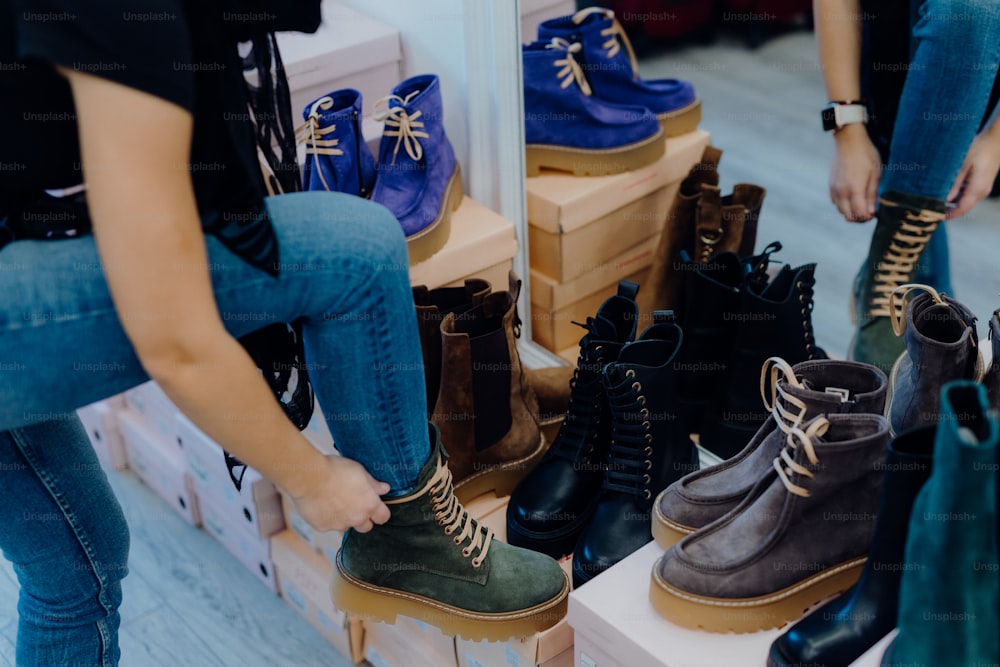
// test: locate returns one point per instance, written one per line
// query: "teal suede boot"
(949, 601)
(432, 561)
(905, 225)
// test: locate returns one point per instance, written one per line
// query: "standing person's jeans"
(955, 53)
(344, 270)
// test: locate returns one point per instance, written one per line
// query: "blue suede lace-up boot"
(613, 73)
(337, 157)
(567, 128)
(419, 180)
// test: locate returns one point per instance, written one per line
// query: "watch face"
(829, 117)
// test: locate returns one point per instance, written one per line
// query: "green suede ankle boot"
(432, 561)
(949, 598)
(905, 224)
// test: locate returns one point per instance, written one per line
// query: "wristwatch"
(836, 115)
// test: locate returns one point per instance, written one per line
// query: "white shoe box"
(159, 464)
(100, 420)
(253, 551)
(616, 626)
(149, 400)
(350, 50)
(325, 544)
(534, 12)
(255, 508)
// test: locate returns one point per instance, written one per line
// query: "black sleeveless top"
(183, 51)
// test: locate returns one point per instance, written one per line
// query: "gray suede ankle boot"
(992, 379)
(802, 535)
(798, 394)
(941, 346)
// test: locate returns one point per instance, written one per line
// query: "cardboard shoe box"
(159, 411)
(534, 12)
(157, 462)
(304, 582)
(100, 420)
(325, 544)
(349, 50)
(255, 508)
(577, 223)
(249, 549)
(482, 244)
(616, 626)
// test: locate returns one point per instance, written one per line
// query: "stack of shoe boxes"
(534, 12)
(100, 420)
(588, 232)
(147, 427)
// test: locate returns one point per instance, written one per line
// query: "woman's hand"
(978, 173)
(855, 175)
(343, 496)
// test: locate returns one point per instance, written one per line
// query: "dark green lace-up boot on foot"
(433, 561)
(904, 227)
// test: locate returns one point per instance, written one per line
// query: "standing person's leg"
(65, 534)
(943, 102)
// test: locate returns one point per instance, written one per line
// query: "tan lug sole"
(681, 121)
(500, 477)
(666, 532)
(750, 614)
(376, 603)
(595, 162)
(432, 238)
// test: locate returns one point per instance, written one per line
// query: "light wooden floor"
(188, 604)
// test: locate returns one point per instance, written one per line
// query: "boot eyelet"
(637, 387)
(649, 438)
(457, 541)
(476, 563)
(645, 424)
(630, 373)
(645, 413)
(449, 530)
(648, 451)
(649, 466)
(645, 479)
(466, 552)
(642, 400)
(646, 495)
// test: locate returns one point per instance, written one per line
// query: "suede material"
(840, 631)
(556, 116)
(612, 77)
(552, 387)
(874, 340)
(992, 379)
(412, 553)
(354, 171)
(432, 306)
(941, 346)
(704, 496)
(727, 224)
(949, 602)
(775, 539)
(414, 190)
(774, 321)
(552, 504)
(650, 449)
(458, 405)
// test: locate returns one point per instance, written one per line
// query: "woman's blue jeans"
(344, 271)
(955, 53)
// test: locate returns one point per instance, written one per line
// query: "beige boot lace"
(450, 513)
(571, 70)
(898, 305)
(403, 125)
(900, 258)
(312, 134)
(797, 436)
(615, 34)
(788, 410)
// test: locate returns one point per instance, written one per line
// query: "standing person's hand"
(343, 496)
(979, 171)
(855, 174)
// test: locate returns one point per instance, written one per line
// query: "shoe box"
(615, 625)
(408, 642)
(148, 400)
(349, 50)
(587, 233)
(303, 582)
(255, 507)
(159, 463)
(253, 551)
(100, 420)
(534, 12)
(325, 544)
(482, 244)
